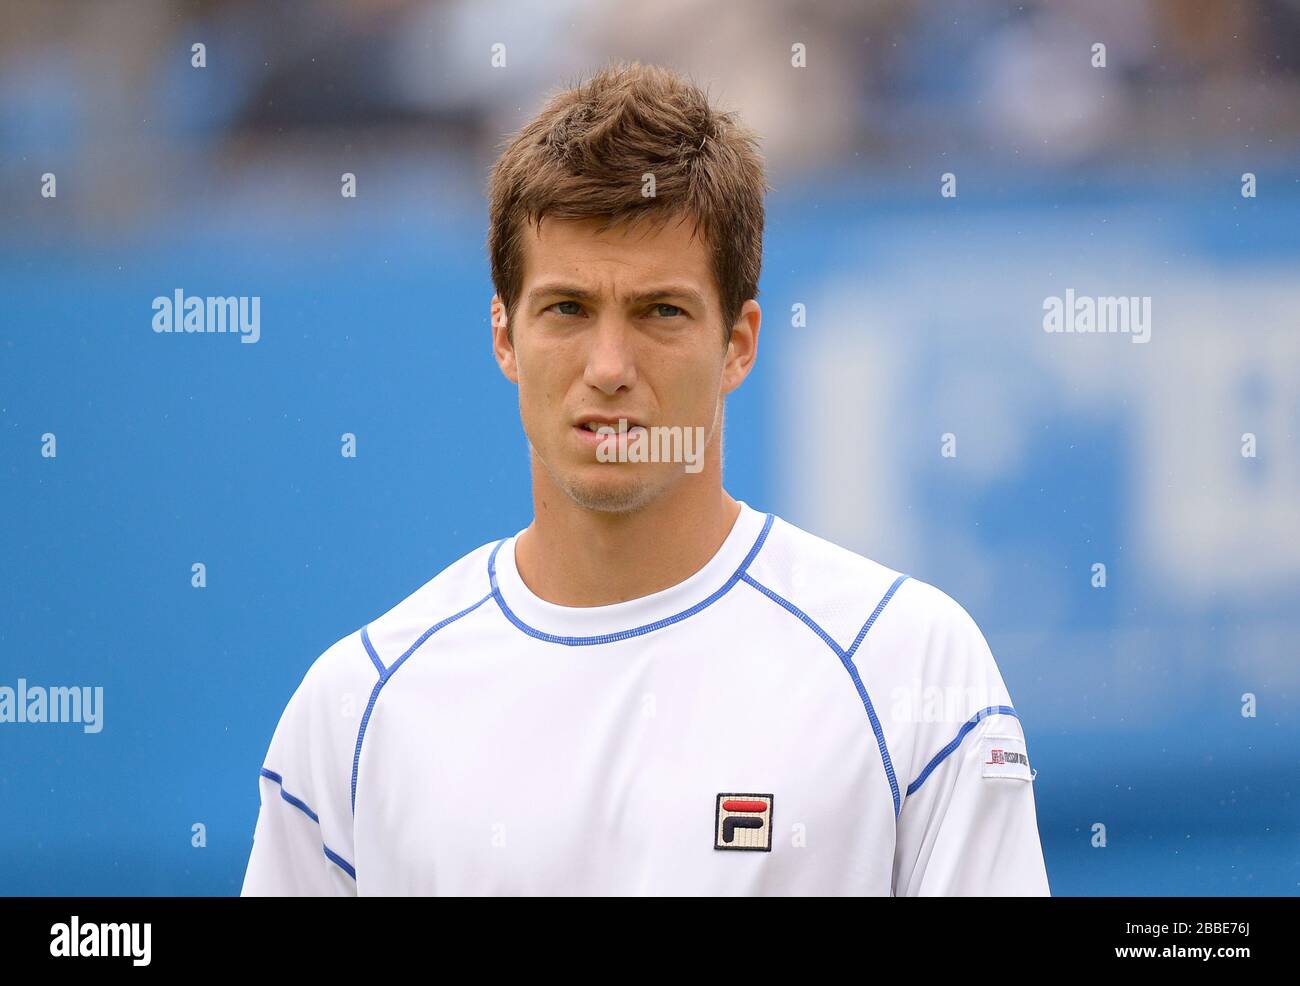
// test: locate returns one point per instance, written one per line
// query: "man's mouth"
(599, 432)
(595, 425)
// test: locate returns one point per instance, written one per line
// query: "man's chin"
(608, 494)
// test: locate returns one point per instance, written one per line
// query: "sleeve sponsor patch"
(1005, 756)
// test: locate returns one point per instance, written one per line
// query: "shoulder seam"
(385, 675)
(846, 659)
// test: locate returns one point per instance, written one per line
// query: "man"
(653, 688)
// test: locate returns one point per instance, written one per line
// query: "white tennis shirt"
(793, 718)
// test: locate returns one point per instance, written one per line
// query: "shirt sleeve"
(968, 824)
(302, 844)
(971, 827)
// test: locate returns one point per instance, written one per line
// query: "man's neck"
(572, 556)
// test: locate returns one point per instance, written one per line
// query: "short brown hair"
(585, 154)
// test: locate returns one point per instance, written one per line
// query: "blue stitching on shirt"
(301, 805)
(384, 677)
(609, 638)
(846, 658)
(862, 634)
(1003, 710)
(370, 649)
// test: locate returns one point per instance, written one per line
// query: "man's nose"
(611, 355)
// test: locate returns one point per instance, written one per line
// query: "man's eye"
(675, 310)
(575, 304)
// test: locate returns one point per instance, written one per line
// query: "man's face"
(621, 324)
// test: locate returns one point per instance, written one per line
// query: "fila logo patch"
(1005, 756)
(743, 821)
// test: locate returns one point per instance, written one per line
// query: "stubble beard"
(626, 496)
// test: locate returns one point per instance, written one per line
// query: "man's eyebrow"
(668, 291)
(641, 297)
(568, 290)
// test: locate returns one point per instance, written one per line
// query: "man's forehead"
(568, 249)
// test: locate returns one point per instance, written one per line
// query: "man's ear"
(503, 348)
(742, 349)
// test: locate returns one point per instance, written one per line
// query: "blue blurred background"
(924, 317)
